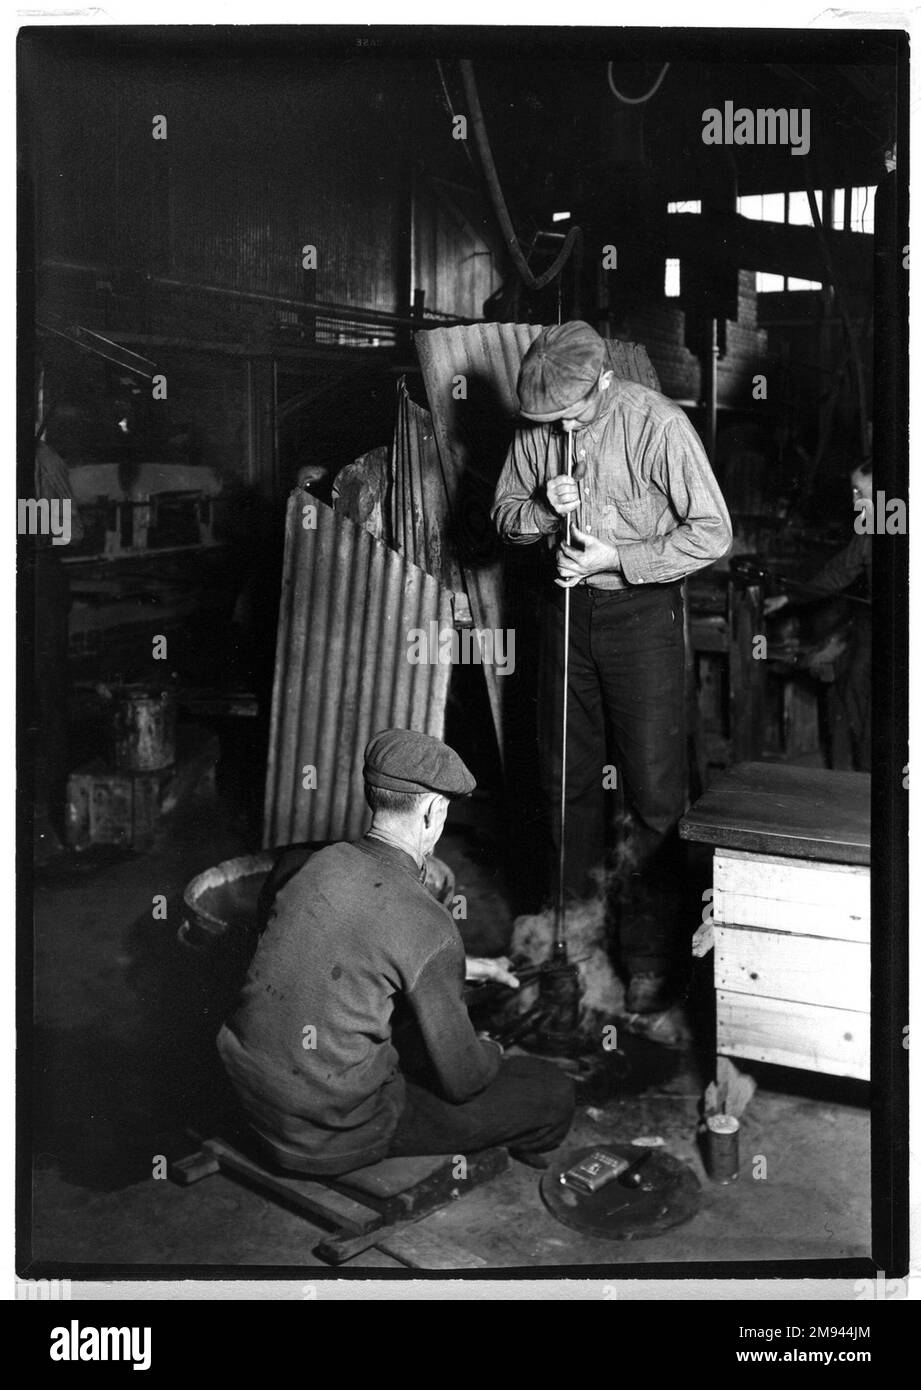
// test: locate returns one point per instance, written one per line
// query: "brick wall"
(661, 330)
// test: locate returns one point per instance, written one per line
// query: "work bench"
(790, 921)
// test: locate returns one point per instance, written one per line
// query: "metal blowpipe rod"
(559, 945)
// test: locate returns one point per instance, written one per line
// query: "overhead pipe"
(333, 311)
(574, 236)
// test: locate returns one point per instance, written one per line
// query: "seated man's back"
(308, 1046)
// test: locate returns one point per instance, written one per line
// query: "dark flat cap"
(401, 760)
(559, 368)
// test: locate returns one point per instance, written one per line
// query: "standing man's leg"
(638, 645)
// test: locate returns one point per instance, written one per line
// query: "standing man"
(646, 513)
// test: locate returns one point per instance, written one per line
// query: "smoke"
(588, 937)
(601, 993)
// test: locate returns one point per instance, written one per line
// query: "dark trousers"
(627, 710)
(529, 1106)
(849, 704)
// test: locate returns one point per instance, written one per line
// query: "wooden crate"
(792, 962)
(791, 895)
(111, 808)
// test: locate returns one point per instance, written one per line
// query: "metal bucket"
(220, 904)
(144, 728)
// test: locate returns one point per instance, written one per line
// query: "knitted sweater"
(308, 1045)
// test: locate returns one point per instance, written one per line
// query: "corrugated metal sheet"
(342, 672)
(473, 434)
(419, 505)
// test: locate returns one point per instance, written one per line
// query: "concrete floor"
(123, 1067)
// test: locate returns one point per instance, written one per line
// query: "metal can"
(144, 727)
(723, 1148)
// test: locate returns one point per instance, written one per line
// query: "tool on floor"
(376, 1206)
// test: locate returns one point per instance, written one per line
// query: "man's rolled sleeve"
(463, 1063)
(681, 470)
(519, 512)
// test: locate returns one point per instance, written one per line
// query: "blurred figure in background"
(849, 696)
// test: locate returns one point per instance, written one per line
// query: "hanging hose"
(574, 236)
(637, 101)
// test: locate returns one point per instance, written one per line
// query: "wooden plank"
(806, 969)
(787, 1034)
(802, 919)
(793, 880)
(774, 808)
(393, 1176)
(418, 1248)
(426, 1197)
(303, 1195)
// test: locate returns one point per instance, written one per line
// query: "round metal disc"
(668, 1194)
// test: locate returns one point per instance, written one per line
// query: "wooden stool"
(365, 1208)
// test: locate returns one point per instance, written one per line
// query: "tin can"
(723, 1148)
(144, 728)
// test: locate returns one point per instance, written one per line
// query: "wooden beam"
(774, 247)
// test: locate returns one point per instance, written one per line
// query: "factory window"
(793, 208)
(766, 283)
(862, 206)
(799, 213)
(673, 278)
(762, 207)
(689, 205)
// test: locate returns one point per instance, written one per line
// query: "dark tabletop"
(773, 808)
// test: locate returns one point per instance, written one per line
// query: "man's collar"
(374, 844)
(610, 400)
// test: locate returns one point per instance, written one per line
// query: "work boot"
(647, 993)
(531, 1159)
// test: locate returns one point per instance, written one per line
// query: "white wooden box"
(792, 962)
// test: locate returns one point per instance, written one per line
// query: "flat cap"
(559, 368)
(401, 760)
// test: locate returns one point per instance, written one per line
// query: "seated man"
(309, 1047)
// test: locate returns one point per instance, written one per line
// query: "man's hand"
(590, 556)
(563, 494)
(487, 968)
(774, 604)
